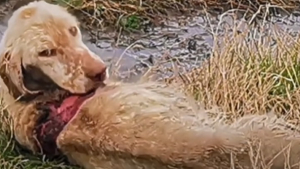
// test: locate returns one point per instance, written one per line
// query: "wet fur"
(127, 126)
(31, 72)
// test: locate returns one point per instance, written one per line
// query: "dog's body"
(149, 125)
(121, 126)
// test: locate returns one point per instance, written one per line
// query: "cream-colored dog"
(52, 86)
(42, 53)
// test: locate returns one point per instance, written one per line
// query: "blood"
(59, 116)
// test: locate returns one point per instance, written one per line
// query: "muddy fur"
(39, 51)
(128, 126)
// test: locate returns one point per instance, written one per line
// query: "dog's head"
(42, 47)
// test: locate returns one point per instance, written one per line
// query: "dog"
(54, 89)
(42, 51)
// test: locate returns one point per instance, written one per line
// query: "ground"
(243, 75)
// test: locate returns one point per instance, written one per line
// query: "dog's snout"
(93, 67)
(101, 75)
(98, 73)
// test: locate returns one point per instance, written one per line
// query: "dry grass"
(131, 14)
(247, 76)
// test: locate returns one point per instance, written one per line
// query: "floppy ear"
(12, 76)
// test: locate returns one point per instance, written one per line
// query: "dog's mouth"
(56, 106)
(56, 115)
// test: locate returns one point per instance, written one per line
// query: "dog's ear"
(12, 75)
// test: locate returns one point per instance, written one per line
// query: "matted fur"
(33, 31)
(128, 126)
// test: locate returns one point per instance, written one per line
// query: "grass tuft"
(250, 76)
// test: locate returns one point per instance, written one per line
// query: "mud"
(184, 42)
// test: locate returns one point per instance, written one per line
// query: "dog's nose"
(92, 66)
(99, 74)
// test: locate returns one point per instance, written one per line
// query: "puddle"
(187, 40)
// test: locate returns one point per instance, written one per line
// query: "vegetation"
(248, 76)
(103, 13)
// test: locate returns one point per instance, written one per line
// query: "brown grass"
(247, 76)
(116, 13)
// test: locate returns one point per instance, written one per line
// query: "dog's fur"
(43, 44)
(124, 126)
(148, 125)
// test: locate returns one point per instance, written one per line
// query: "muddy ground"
(180, 43)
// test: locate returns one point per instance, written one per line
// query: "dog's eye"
(73, 31)
(48, 52)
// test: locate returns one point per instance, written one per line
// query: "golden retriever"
(53, 88)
